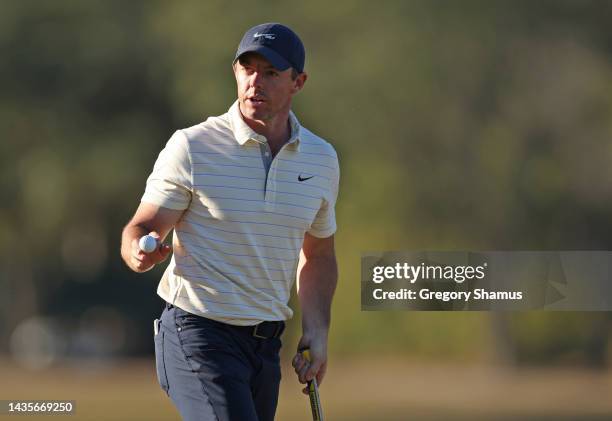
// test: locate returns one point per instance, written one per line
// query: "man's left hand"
(305, 370)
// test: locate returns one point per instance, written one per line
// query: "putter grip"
(313, 393)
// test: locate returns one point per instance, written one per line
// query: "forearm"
(317, 279)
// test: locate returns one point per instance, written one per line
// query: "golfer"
(250, 195)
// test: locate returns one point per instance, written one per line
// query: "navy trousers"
(213, 371)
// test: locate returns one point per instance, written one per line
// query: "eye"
(272, 73)
(246, 69)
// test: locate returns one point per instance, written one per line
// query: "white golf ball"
(147, 243)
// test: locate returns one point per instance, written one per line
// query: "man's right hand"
(157, 222)
(141, 261)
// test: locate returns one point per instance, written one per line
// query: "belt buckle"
(255, 334)
(275, 335)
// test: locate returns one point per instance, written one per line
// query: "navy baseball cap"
(277, 43)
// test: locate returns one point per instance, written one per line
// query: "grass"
(357, 389)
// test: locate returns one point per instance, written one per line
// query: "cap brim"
(272, 56)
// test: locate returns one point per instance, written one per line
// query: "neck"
(277, 130)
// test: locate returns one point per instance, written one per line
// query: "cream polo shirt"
(237, 245)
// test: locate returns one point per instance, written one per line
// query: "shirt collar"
(243, 133)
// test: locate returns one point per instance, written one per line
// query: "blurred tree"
(471, 125)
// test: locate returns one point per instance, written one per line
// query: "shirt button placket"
(271, 189)
(267, 160)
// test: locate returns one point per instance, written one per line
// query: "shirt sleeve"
(170, 184)
(324, 224)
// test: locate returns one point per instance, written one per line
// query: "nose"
(255, 79)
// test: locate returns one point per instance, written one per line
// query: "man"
(250, 195)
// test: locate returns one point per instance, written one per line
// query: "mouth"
(256, 99)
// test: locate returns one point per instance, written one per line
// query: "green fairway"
(391, 389)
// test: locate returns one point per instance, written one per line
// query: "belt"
(263, 330)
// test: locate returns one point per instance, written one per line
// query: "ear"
(299, 82)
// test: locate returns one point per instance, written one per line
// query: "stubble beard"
(252, 113)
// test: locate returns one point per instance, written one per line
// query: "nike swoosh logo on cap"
(267, 36)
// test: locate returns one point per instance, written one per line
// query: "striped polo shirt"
(237, 245)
